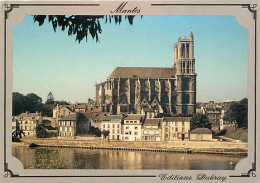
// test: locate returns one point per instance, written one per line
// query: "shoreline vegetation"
(214, 148)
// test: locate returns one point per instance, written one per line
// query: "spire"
(191, 35)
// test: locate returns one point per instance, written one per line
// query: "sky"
(45, 61)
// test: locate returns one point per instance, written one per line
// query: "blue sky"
(45, 61)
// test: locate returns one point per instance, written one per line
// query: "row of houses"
(131, 127)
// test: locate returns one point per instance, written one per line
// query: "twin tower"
(170, 90)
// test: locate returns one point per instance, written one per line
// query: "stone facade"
(166, 90)
(112, 124)
(201, 134)
(151, 130)
(27, 122)
(176, 128)
(72, 125)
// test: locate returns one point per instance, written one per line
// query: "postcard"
(132, 91)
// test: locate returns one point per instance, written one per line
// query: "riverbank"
(221, 148)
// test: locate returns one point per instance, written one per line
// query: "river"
(75, 158)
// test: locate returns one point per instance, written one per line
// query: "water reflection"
(109, 159)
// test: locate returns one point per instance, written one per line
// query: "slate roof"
(112, 117)
(28, 115)
(96, 116)
(154, 121)
(69, 117)
(182, 119)
(134, 117)
(50, 128)
(201, 131)
(143, 72)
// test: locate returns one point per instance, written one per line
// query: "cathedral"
(166, 90)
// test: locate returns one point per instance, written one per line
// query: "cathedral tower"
(184, 62)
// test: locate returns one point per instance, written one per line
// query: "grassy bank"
(239, 134)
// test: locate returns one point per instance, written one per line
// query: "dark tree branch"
(80, 25)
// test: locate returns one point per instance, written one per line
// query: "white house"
(132, 127)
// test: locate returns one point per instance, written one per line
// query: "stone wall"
(139, 144)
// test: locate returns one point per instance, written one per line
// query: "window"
(25, 122)
(136, 133)
(113, 125)
(183, 123)
(108, 125)
(104, 125)
(28, 133)
(113, 131)
(131, 121)
(117, 131)
(70, 123)
(136, 127)
(176, 129)
(126, 133)
(117, 126)
(25, 128)
(65, 123)
(127, 127)
(70, 129)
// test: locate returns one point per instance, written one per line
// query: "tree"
(18, 103)
(80, 25)
(50, 99)
(105, 133)
(41, 132)
(237, 113)
(21, 103)
(33, 102)
(95, 131)
(17, 135)
(62, 102)
(201, 121)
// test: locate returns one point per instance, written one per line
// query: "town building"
(132, 127)
(176, 128)
(112, 123)
(27, 122)
(151, 130)
(72, 125)
(167, 90)
(61, 111)
(201, 134)
(214, 116)
(148, 112)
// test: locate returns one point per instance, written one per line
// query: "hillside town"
(74, 121)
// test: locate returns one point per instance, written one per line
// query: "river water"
(112, 159)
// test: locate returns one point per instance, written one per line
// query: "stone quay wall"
(137, 144)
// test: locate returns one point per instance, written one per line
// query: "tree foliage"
(17, 135)
(80, 25)
(30, 102)
(94, 130)
(105, 133)
(237, 113)
(50, 99)
(201, 121)
(41, 132)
